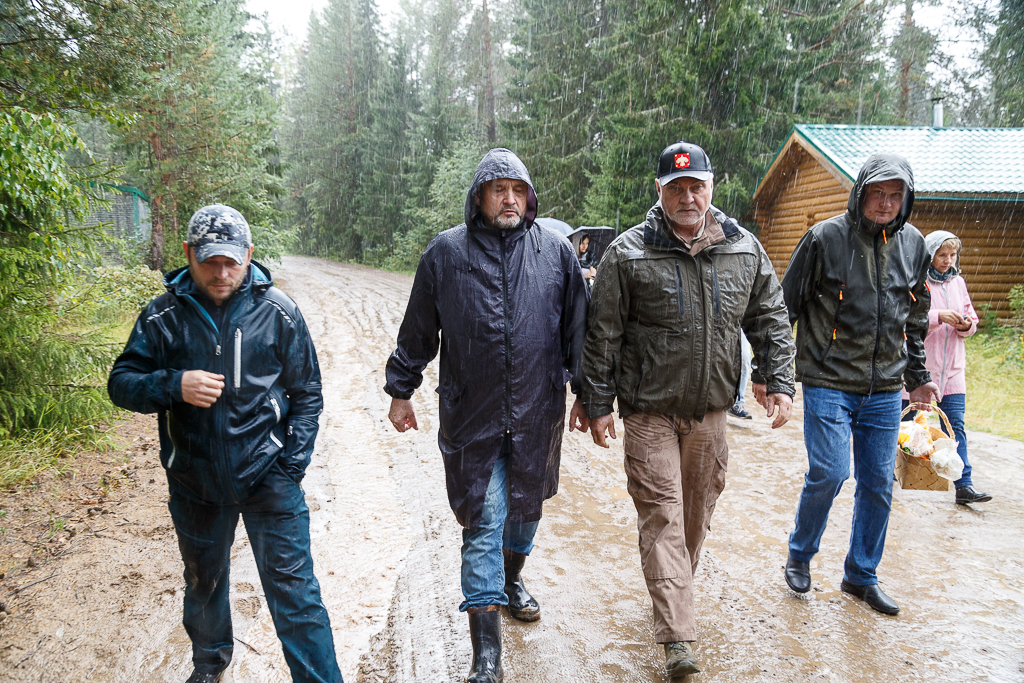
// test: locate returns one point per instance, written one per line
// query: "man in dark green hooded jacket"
(856, 287)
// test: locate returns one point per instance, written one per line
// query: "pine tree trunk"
(492, 126)
(906, 64)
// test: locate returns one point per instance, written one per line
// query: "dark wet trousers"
(277, 521)
(831, 419)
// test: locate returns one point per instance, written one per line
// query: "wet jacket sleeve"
(968, 310)
(301, 380)
(574, 322)
(138, 381)
(602, 352)
(419, 337)
(917, 327)
(801, 275)
(769, 330)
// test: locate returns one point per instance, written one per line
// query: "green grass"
(995, 383)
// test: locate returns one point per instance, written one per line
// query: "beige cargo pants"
(676, 471)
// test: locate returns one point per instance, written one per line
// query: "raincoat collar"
(258, 279)
(879, 168)
(657, 233)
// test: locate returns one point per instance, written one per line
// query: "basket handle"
(945, 420)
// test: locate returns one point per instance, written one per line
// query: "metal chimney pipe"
(937, 112)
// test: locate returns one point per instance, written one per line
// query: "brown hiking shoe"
(679, 659)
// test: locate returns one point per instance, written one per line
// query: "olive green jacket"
(663, 332)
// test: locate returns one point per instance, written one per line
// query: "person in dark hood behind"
(856, 287)
(504, 301)
(226, 361)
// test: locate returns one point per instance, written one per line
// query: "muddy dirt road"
(386, 549)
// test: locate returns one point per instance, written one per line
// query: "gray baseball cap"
(219, 230)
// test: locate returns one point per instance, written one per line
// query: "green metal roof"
(944, 160)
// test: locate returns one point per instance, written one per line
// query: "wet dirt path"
(386, 549)
(957, 572)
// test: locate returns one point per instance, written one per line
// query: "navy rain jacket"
(508, 310)
(272, 398)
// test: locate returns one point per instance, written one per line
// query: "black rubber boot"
(521, 604)
(485, 632)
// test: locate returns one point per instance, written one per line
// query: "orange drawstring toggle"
(834, 334)
(884, 238)
(913, 298)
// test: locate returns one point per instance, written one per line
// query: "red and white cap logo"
(683, 160)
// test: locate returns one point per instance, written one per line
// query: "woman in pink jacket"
(950, 320)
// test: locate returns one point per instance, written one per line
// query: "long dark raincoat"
(507, 309)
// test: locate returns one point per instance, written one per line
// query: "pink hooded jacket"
(946, 353)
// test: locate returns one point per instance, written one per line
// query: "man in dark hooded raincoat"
(503, 300)
(856, 286)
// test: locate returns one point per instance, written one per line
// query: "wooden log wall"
(992, 259)
(810, 195)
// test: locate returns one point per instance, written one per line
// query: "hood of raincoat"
(877, 169)
(934, 240)
(500, 163)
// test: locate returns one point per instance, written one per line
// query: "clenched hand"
(201, 388)
(402, 415)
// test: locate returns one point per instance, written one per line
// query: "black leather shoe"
(798, 575)
(521, 604)
(966, 495)
(873, 595)
(197, 677)
(485, 632)
(679, 659)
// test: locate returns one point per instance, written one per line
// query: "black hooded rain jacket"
(857, 292)
(268, 412)
(507, 309)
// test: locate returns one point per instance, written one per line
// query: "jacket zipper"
(220, 407)
(238, 358)
(679, 290)
(945, 348)
(714, 286)
(508, 339)
(878, 316)
(835, 319)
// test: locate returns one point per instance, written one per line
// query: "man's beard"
(501, 223)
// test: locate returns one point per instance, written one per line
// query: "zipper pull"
(217, 352)
(913, 298)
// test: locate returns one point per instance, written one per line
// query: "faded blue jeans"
(277, 521)
(831, 417)
(483, 564)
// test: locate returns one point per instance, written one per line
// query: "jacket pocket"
(450, 391)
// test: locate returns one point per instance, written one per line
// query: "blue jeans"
(954, 406)
(483, 564)
(277, 521)
(831, 417)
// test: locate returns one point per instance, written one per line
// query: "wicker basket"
(917, 473)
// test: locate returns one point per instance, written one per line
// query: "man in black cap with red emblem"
(663, 339)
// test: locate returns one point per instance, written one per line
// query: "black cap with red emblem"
(684, 159)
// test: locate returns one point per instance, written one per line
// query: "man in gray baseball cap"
(226, 361)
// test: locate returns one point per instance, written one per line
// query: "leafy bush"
(126, 289)
(1016, 297)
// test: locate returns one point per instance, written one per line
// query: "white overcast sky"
(292, 16)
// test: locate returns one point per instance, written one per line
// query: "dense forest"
(358, 142)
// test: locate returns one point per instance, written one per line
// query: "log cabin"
(969, 181)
